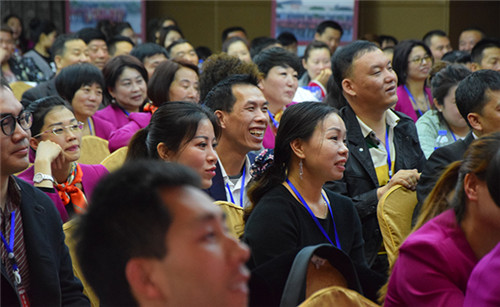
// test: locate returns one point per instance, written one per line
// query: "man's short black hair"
(127, 218)
(228, 30)
(428, 36)
(59, 45)
(90, 34)
(221, 96)
(287, 39)
(472, 92)
(329, 24)
(478, 49)
(146, 50)
(115, 40)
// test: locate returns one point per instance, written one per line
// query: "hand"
(408, 178)
(323, 76)
(49, 153)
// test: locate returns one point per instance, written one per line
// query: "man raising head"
(486, 55)
(329, 32)
(438, 42)
(242, 112)
(162, 243)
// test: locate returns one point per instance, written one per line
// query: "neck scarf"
(70, 193)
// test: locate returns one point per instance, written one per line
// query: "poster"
(302, 16)
(87, 13)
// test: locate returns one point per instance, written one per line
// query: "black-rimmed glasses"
(8, 123)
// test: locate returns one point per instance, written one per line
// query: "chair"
(234, 217)
(317, 267)
(394, 213)
(68, 229)
(93, 149)
(115, 160)
(18, 88)
(339, 297)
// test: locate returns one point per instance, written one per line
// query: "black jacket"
(52, 282)
(360, 180)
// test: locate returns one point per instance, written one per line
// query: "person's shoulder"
(28, 190)
(434, 234)
(97, 168)
(403, 118)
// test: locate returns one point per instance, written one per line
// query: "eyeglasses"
(8, 123)
(60, 130)
(426, 57)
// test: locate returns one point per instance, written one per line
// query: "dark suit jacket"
(52, 282)
(435, 166)
(360, 179)
(42, 90)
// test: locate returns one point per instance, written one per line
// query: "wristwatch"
(39, 177)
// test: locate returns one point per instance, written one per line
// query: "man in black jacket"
(36, 266)
(478, 100)
(383, 144)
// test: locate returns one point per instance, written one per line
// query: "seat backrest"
(394, 213)
(234, 217)
(68, 228)
(316, 267)
(18, 88)
(115, 160)
(337, 296)
(93, 149)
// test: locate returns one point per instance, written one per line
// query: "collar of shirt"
(391, 120)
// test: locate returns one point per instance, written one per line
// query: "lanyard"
(10, 248)
(124, 111)
(275, 122)
(90, 126)
(314, 216)
(388, 150)
(413, 101)
(242, 190)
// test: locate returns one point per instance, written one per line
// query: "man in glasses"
(36, 266)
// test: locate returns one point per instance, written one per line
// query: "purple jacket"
(91, 176)
(404, 104)
(433, 266)
(121, 136)
(114, 115)
(103, 128)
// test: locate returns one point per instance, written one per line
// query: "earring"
(301, 170)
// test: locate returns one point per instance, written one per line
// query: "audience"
(151, 55)
(444, 115)
(438, 42)
(486, 55)
(241, 110)
(40, 272)
(280, 69)
(182, 49)
(235, 31)
(477, 100)
(383, 143)
(261, 43)
(43, 35)
(288, 41)
(168, 35)
(56, 136)
(329, 32)
(310, 150)
(317, 63)
(96, 46)
(21, 44)
(175, 249)
(119, 45)
(238, 47)
(412, 63)
(82, 85)
(180, 132)
(435, 261)
(67, 49)
(468, 38)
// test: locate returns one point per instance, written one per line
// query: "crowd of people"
(302, 148)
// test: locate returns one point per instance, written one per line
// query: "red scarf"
(70, 193)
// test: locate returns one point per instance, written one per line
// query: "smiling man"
(168, 246)
(383, 144)
(242, 112)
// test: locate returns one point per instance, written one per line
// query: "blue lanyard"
(10, 247)
(414, 102)
(275, 122)
(314, 216)
(90, 126)
(242, 190)
(124, 111)
(388, 150)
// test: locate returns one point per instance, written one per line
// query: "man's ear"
(139, 273)
(297, 148)
(474, 66)
(163, 152)
(261, 84)
(348, 87)
(34, 143)
(57, 61)
(316, 36)
(474, 120)
(221, 116)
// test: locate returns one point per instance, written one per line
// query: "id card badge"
(24, 298)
